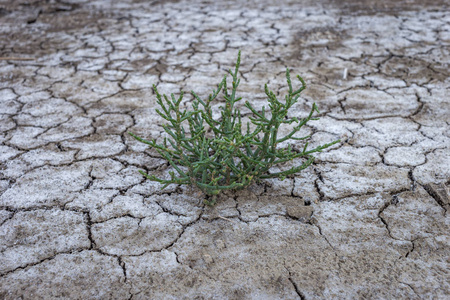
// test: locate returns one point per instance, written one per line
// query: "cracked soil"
(369, 220)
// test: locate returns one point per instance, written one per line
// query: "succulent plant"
(218, 154)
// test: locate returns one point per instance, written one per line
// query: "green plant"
(215, 155)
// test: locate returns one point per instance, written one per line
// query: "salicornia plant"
(215, 154)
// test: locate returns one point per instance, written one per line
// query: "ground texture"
(368, 220)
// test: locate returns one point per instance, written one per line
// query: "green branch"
(229, 160)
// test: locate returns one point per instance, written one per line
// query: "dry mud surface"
(370, 218)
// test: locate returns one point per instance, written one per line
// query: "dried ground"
(368, 220)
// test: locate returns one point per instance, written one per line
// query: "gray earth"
(368, 220)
